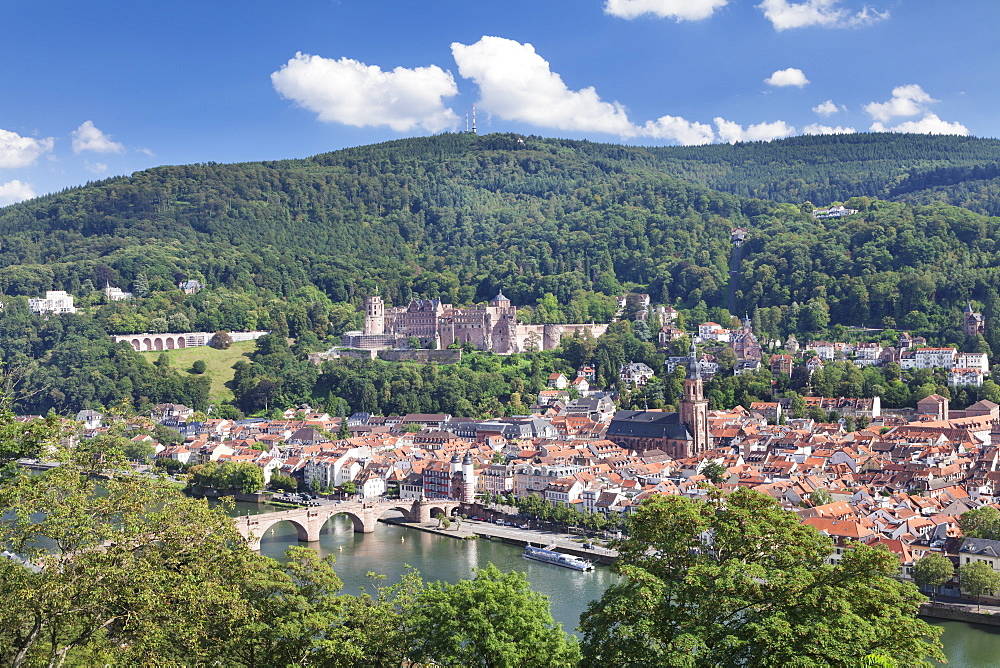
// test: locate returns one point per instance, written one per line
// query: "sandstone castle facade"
(491, 326)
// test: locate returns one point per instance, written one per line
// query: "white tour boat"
(550, 556)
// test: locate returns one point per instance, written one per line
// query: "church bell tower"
(694, 407)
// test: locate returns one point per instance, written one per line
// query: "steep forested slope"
(561, 226)
(454, 215)
(460, 216)
(822, 169)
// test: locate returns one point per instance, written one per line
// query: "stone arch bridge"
(308, 522)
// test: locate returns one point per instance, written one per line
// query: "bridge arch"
(301, 530)
(406, 510)
(433, 510)
(356, 521)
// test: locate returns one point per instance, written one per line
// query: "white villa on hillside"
(55, 301)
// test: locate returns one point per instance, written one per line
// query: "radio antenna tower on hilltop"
(473, 130)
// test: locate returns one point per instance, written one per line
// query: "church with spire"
(680, 435)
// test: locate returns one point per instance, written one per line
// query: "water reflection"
(390, 549)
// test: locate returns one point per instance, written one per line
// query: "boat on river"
(550, 556)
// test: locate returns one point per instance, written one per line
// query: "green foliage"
(300, 617)
(820, 497)
(715, 472)
(493, 621)
(757, 592)
(562, 226)
(981, 523)
(131, 573)
(933, 570)
(349, 487)
(283, 482)
(229, 476)
(979, 579)
(31, 438)
(220, 340)
(199, 366)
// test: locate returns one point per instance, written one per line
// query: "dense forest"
(962, 171)
(562, 227)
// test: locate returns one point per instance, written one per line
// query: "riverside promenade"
(961, 610)
(473, 529)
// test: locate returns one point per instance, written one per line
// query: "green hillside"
(218, 365)
(823, 169)
(562, 227)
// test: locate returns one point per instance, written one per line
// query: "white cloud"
(95, 167)
(684, 132)
(89, 138)
(350, 92)
(148, 152)
(828, 108)
(517, 84)
(930, 124)
(817, 129)
(790, 76)
(784, 15)
(734, 132)
(18, 151)
(682, 10)
(15, 191)
(906, 100)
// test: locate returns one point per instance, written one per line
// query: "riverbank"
(470, 530)
(970, 613)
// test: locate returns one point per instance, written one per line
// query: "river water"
(391, 549)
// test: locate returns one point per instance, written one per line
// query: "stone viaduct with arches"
(145, 342)
(308, 522)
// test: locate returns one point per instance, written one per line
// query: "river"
(390, 549)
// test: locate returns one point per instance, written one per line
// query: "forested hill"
(554, 223)
(964, 171)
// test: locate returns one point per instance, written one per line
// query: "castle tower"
(694, 407)
(374, 315)
(500, 301)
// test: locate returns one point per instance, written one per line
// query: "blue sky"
(91, 90)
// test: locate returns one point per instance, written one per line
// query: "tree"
(820, 497)
(301, 618)
(283, 482)
(246, 477)
(736, 580)
(130, 569)
(199, 366)
(978, 579)
(167, 435)
(25, 439)
(981, 523)
(715, 472)
(492, 620)
(933, 570)
(220, 340)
